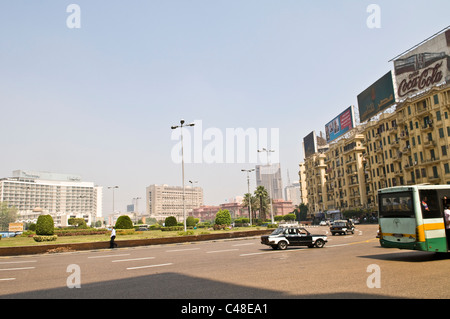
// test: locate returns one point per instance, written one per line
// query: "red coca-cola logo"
(419, 81)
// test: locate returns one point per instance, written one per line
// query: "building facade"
(62, 196)
(164, 201)
(269, 176)
(410, 145)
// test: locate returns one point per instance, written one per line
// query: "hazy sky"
(99, 100)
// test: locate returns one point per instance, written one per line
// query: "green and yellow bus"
(412, 217)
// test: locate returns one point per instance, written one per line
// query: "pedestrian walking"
(112, 244)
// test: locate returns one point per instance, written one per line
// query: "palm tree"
(253, 201)
(263, 196)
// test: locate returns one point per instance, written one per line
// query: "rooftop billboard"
(340, 125)
(423, 67)
(310, 144)
(376, 98)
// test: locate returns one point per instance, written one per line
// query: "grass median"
(29, 241)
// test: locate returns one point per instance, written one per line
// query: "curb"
(42, 249)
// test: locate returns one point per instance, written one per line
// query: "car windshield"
(339, 224)
(277, 231)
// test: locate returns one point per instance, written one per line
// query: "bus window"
(429, 204)
(396, 205)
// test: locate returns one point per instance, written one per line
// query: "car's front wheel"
(282, 245)
(319, 243)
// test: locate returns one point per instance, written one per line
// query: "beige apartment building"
(408, 146)
(164, 201)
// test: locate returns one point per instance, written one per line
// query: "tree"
(170, 221)
(253, 200)
(77, 222)
(223, 217)
(7, 215)
(45, 225)
(124, 222)
(264, 200)
(191, 221)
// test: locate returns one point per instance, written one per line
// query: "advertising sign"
(423, 67)
(310, 144)
(376, 98)
(13, 227)
(340, 125)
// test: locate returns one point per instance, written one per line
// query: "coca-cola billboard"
(423, 67)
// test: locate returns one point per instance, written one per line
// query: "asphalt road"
(351, 266)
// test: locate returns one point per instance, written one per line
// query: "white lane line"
(5, 279)
(23, 268)
(149, 266)
(220, 251)
(177, 250)
(132, 259)
(17, 262)
(243, 244)
(106, 256)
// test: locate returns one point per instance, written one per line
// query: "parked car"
(342, 227)
(282, 237)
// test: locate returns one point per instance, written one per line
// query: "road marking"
(272, 252)
(177, 250)
(106, 256)
(243, 244)
(5, 279)
(149, 266)
(132, 259)
(23, 268)
(17, 262)
(220, 251)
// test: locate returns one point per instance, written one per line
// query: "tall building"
(269, 176)
(410, 145)
(62, 196)
(293, 193)
(164, 201)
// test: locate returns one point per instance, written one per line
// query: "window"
(441, 132)
(429, 204)
(444, 150)
(436, 99)
(438, 116)
(396, 205)
(446, 168)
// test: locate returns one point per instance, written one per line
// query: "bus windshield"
(396, 205)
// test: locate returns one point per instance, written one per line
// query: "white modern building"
(164, 201)
(62, 196)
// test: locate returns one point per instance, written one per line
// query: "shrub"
(170, 221)
(45, 225)
(223, 217)
(190, 221)
(124, 222)
(39, 238)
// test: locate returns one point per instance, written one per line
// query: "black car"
(342, 227)
(282, 237)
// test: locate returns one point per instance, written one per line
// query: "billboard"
(423, 67)
(310, 144)
(340, 125)
(376, 98)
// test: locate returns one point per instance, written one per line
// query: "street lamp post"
(182, 165)
(249, 195)
(270, 181)
(113, 187)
